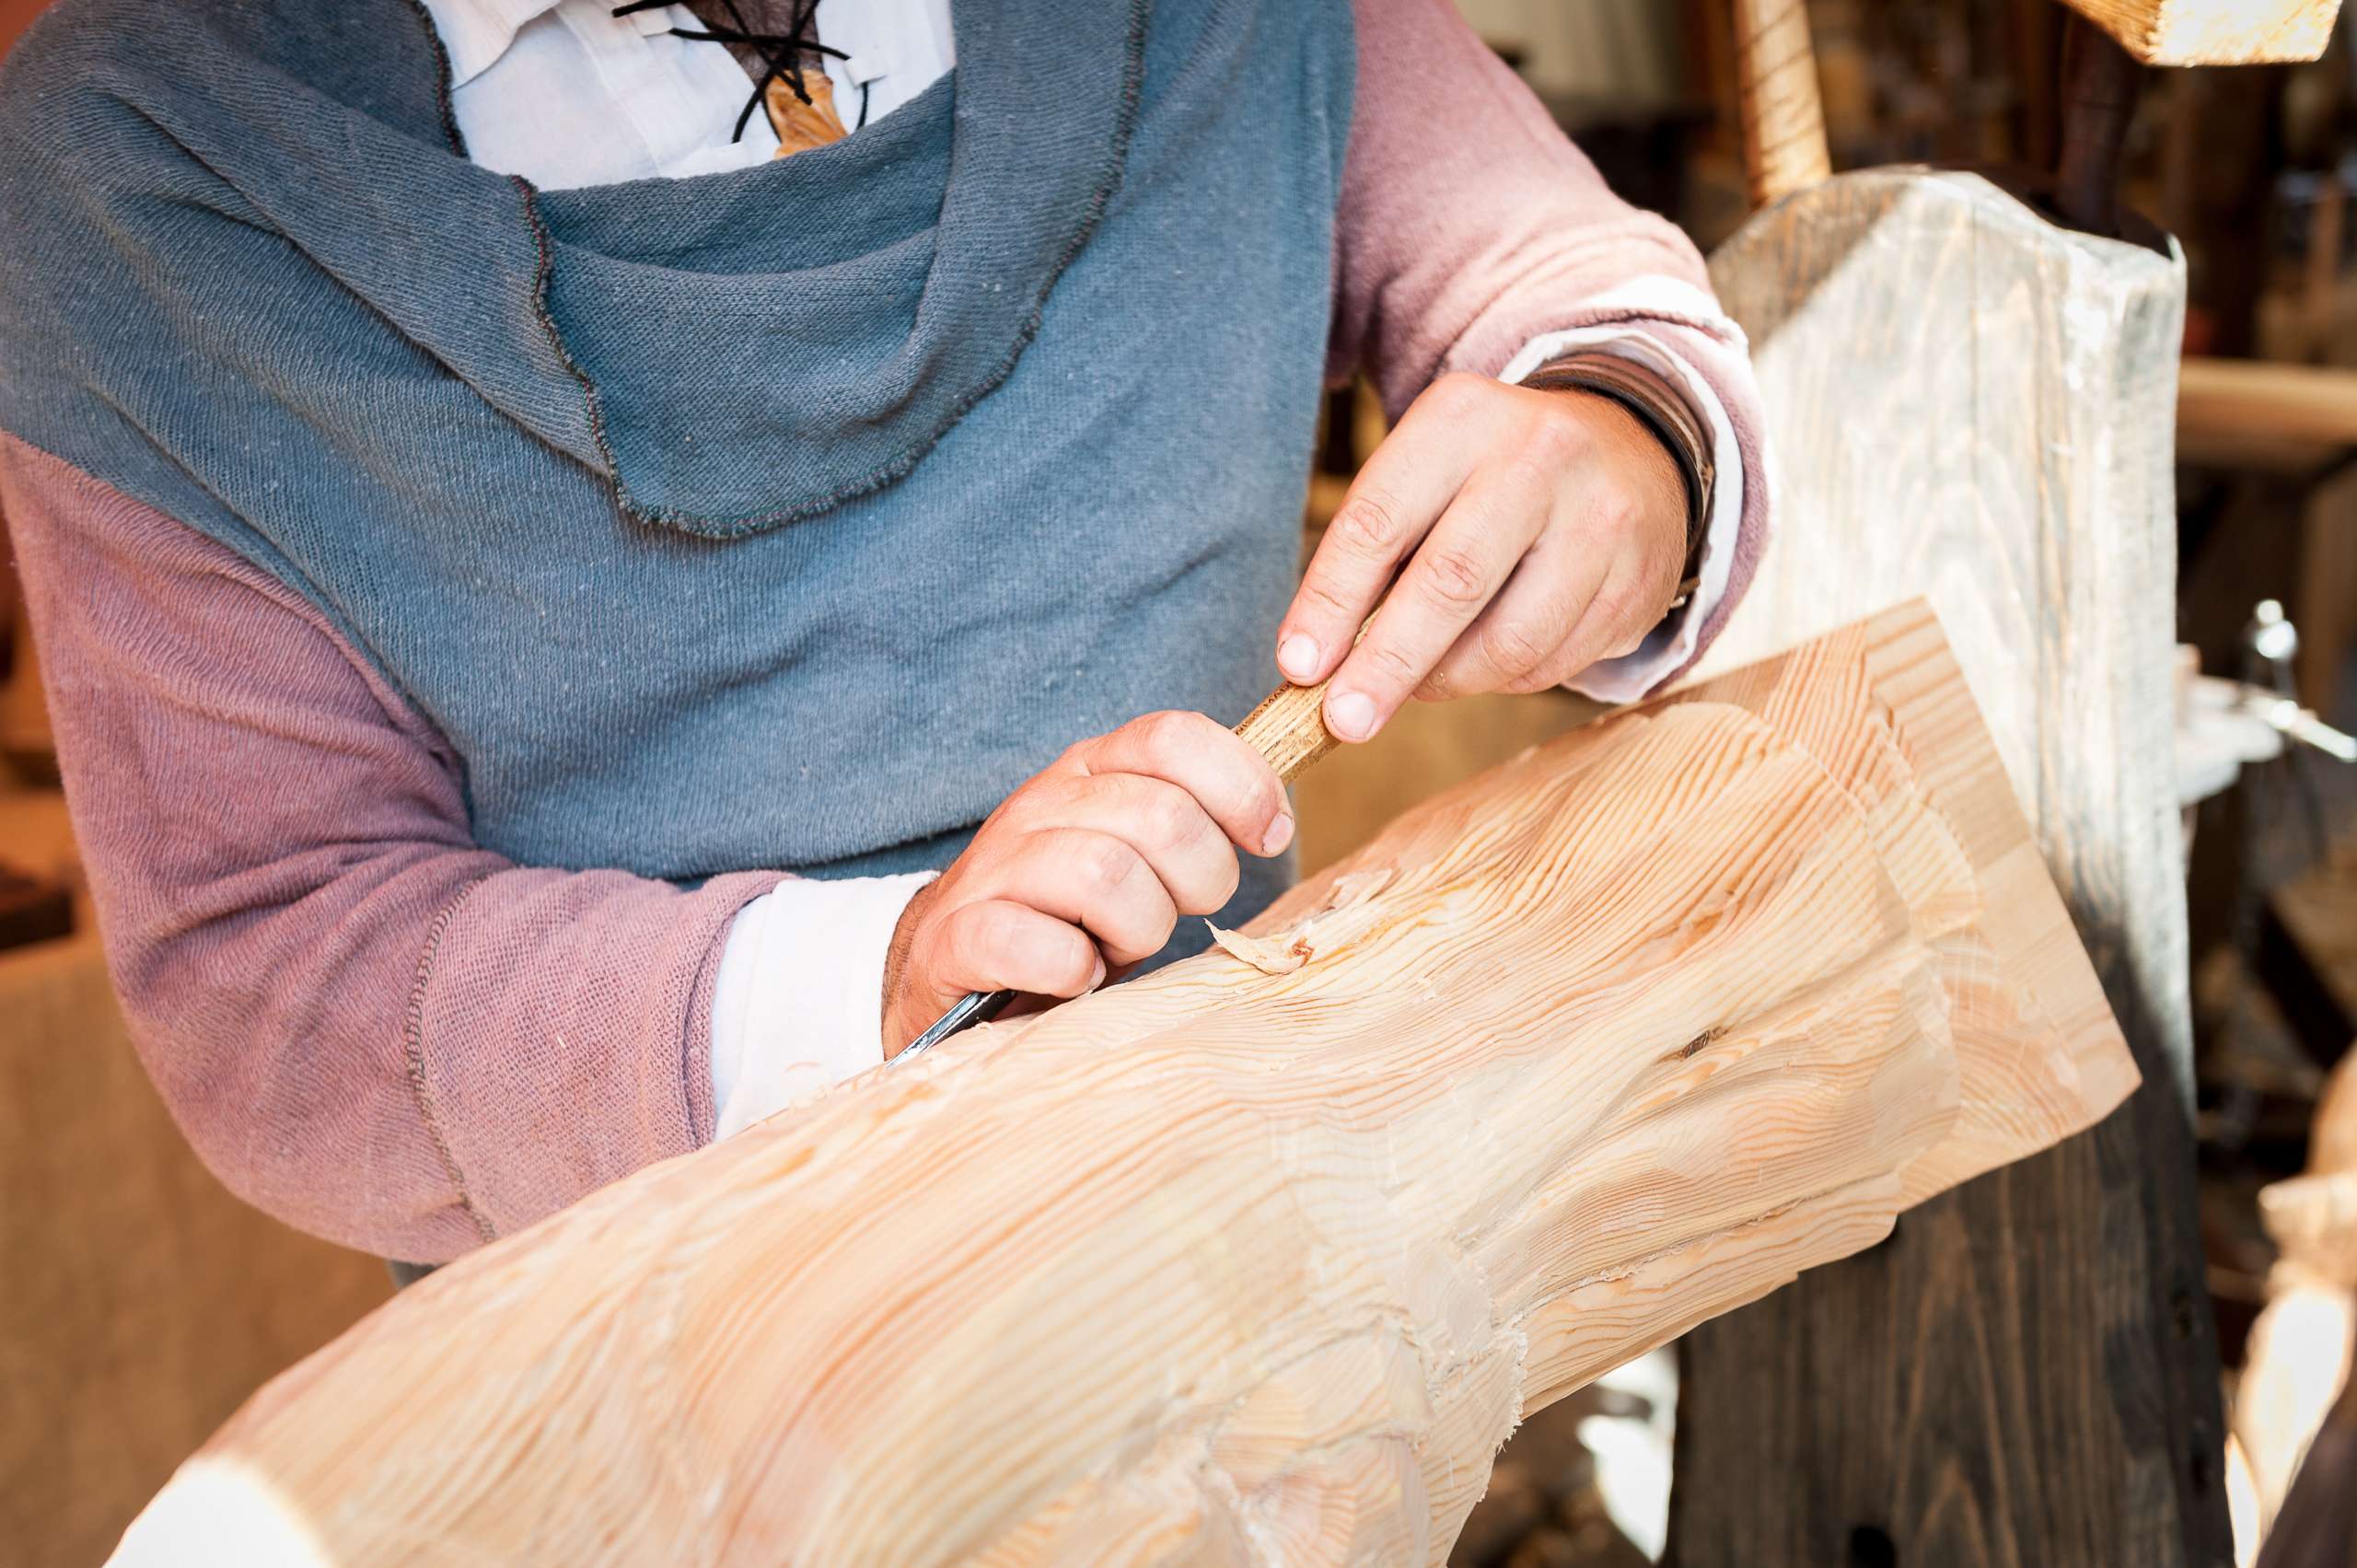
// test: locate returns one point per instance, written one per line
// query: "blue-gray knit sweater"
(785, 517)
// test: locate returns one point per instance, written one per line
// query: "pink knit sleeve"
(1470, 229)
(364, 1022)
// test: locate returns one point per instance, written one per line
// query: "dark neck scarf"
(774, 42)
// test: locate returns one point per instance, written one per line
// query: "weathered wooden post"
(1973, 402)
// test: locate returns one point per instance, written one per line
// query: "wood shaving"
(1286, 951)
(1281, 954)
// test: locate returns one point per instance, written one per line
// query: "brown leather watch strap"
(1658, 405)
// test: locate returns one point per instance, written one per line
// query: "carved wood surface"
(1242, 1266)
(1969, 403)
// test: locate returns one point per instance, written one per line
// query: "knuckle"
(1368, 524)
(1620, 609)
(1457, 391)
(1390, 663)
(1452, 577)
(1104, 865)
(1159, 736)
(1130, 940)
(1515, 647)
(1558, 438)
(1174, 820)
(1322, 594)
(1171, 731)
(1207, 887)
(1032, 800)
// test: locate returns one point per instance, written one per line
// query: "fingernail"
(1098, 977)
(1280, 834)
(1350, 714)
(1297, 657)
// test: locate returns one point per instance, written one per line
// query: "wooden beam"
(1784, 116)
(2222, 402)
(1261, 1256)
(1970, 402)
(2216, 32)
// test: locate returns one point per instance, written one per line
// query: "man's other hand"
(1088, 865)
(1532, 533)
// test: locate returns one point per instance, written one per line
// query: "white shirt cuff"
(798, 1004)
(1670, 644)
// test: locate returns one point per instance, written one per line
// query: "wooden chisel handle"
(1288, 729)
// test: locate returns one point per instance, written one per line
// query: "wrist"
(1664, 415)
(898, 1028)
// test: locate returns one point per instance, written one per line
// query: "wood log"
(1968, 402)
(1229, 1264)
(2216, 32)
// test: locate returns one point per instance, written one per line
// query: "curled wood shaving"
(1286, 951)
(1281, 954)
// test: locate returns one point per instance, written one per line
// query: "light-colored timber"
(2214, 33)
(1288, 729)
(1226, 1265)
(1967, 402)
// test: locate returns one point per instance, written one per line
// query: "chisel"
(1288, 729)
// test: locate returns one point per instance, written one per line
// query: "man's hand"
(1090, 863)
(1541, 530)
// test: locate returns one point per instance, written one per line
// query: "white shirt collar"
(477, 32)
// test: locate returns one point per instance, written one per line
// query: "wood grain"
(1784, 114)
(1226, 1265)
(1970, 404)
(2216, 32)
(1288, 729)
